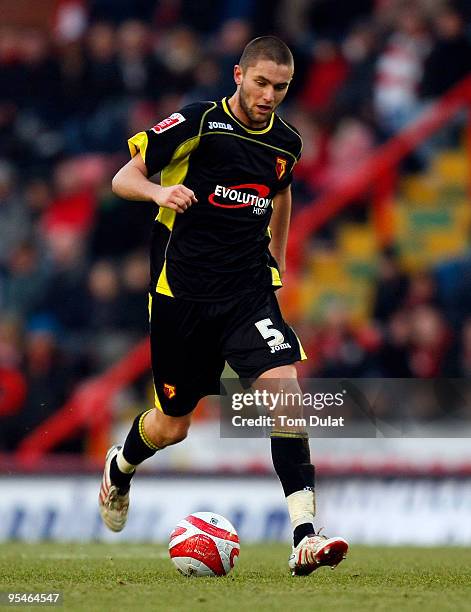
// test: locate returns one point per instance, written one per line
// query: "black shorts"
(190, 342)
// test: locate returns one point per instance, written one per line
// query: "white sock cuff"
(123, 465)
(301, 507)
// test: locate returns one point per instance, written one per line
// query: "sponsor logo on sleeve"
(168, 123)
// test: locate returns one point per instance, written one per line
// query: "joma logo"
(217, 125)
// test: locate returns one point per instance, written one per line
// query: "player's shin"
(292, 463)
(137, 448)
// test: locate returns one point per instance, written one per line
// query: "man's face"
(262, 87)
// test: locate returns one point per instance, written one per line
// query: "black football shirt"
(217, 248)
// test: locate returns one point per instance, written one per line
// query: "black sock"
(137, 446)
(120, 479)
(292, 463)
(301, 531)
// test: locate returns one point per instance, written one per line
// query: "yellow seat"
(451, 167)
(326, 265)
(445, 245)
(358, 241)
(421, 189)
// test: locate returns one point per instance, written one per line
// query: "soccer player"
(217, 256)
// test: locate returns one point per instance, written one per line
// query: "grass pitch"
(128, 577)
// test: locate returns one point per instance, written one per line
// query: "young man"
(226, 169)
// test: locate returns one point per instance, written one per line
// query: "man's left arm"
(279, 226)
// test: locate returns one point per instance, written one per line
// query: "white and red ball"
(204, 544)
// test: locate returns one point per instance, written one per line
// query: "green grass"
(128, 577)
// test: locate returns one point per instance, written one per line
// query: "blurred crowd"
(73, 257)
(420, 327)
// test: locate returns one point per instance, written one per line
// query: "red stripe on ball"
(212, 529)
(202, 548)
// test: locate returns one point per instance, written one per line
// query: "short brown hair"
(268, 48)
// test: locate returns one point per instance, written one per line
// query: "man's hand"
(176, 197)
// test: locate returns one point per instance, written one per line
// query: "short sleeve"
(288, 179)
(158, 144)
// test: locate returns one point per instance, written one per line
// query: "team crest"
(280, 167)
(170, 390)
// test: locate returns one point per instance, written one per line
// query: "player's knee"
(284, 372)
(164, 430)
(176, 435)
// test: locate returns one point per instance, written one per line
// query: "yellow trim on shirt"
(138, 144)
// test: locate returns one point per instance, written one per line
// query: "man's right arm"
(131, 183)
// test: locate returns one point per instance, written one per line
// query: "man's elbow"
(116, 184)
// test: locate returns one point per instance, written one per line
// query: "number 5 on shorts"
(270, 334)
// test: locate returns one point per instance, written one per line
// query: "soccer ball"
(204, 544)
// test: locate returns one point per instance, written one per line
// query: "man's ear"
(237, 74)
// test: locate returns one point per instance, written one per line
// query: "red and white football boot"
(314, 551)
(113, 506)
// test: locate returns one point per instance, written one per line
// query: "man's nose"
(268, 94)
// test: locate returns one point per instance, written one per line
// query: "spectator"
(13, 385)
(12, 393)
(110, 325)
(65, 295)
(11, 342)
(324, 77)
(121, 10)
(458, 362)
(38, 196)
(121, 227)
(356, 93)
(103, 298)
(73, 207)
(450, 58)
(11, 73)
(422, 290)
(203, 16)
(41, 78)
(73, 86)
(343, 350)
(25, 281)
(393, 356)
(350, 145)
(399, 71)
(391, 287)
(329, 19)
(179, 53)
(312, 166)
(101, 72)
(207, 84)
(14, 218)
(430, 341)
(49, 378)
(230, 42)
(141, 73)
(133, 300)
